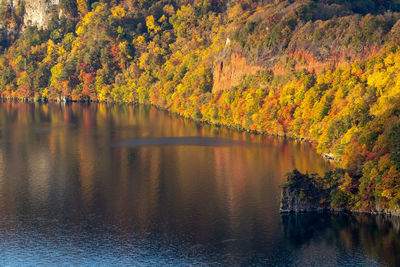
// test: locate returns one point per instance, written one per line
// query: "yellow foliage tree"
(82, 7)
(151, 24)
(118, 12)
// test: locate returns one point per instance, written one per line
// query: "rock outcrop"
(37, 12)
(300, 194)
(229, 72)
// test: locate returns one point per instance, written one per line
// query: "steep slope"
(230, 71)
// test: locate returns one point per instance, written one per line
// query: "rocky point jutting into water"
(312, 193)
(300, 194)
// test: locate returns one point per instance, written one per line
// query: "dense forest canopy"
(324, 71)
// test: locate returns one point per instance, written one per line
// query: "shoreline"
(328, 157)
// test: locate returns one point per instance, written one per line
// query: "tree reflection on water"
(377, 235)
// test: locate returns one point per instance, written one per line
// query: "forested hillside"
(325, 71)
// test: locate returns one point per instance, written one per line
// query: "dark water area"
(119, 185)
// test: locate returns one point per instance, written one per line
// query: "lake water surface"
(131, 185)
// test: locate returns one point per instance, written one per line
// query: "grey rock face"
(37, 12)
(293, 201)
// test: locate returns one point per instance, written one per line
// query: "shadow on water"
(180, 141)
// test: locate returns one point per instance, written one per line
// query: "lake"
(120, 185)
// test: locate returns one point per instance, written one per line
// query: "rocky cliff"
(37, 12)
(229, 72)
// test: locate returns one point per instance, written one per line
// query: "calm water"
(126, 185)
